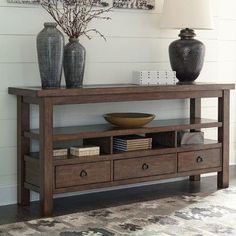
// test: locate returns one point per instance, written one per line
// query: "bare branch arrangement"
(74, 16)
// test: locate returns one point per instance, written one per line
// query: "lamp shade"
(193, 14)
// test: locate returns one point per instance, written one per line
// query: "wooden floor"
(14, 213)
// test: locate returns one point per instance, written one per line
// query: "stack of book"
(131, 143)
(85, 151)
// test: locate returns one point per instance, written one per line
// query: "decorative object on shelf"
(131, 143)
(154, 77)
(134, 4)
(187, 137)
(60, 152)
(74, 17)
(50, 46)
(129, 120)
(85, 151)
(187, 54)
(74, 63)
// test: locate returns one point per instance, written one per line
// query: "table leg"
(46, 162)
(23, 147)
(195, 112)
(223, 137)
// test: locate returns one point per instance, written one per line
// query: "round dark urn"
(187, 56)
(50, 47)
(74, 63)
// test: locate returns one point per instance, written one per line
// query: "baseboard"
(7, 195)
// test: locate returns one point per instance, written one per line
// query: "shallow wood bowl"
(129, 120)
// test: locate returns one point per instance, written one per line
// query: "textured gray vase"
(74, 63)
(187, 56)
(50, 48)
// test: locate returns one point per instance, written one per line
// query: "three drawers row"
(100, 172)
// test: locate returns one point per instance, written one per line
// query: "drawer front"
(145, 166)
(188, 161)
(81, 174)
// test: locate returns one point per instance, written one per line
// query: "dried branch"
(74, 16)
(94, 30)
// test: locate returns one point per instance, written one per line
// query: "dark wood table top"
(107, 89)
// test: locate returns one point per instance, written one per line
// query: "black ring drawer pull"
(199, 159)
(83, 173)
(145, 166)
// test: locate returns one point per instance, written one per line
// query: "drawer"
(145, 166)
(188, 161)
(81, 174)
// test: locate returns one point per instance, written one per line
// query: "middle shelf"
(107, 130)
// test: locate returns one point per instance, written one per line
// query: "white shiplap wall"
(134, 42)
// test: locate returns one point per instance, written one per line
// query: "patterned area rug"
(193, 215)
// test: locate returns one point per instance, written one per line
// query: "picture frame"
(134, 4)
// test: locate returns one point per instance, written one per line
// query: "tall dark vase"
(74, 63)
(187, 56)
(50, 48)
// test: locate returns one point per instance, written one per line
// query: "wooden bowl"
(129, 120)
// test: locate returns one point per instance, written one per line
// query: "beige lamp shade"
(193, 14)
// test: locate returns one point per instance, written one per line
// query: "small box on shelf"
(85, 151)
(60, 152)
(154, 77)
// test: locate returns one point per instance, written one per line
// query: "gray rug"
(193, 215)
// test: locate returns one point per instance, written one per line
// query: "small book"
(131, 138)
(131, 148)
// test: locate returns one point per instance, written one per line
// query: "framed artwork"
(134, 4)
(24, 1)
(101, 3)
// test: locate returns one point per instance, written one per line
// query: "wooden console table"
(42, 173)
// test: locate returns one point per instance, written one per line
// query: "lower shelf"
(208, 144)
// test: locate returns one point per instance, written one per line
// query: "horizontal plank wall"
(134, 42)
